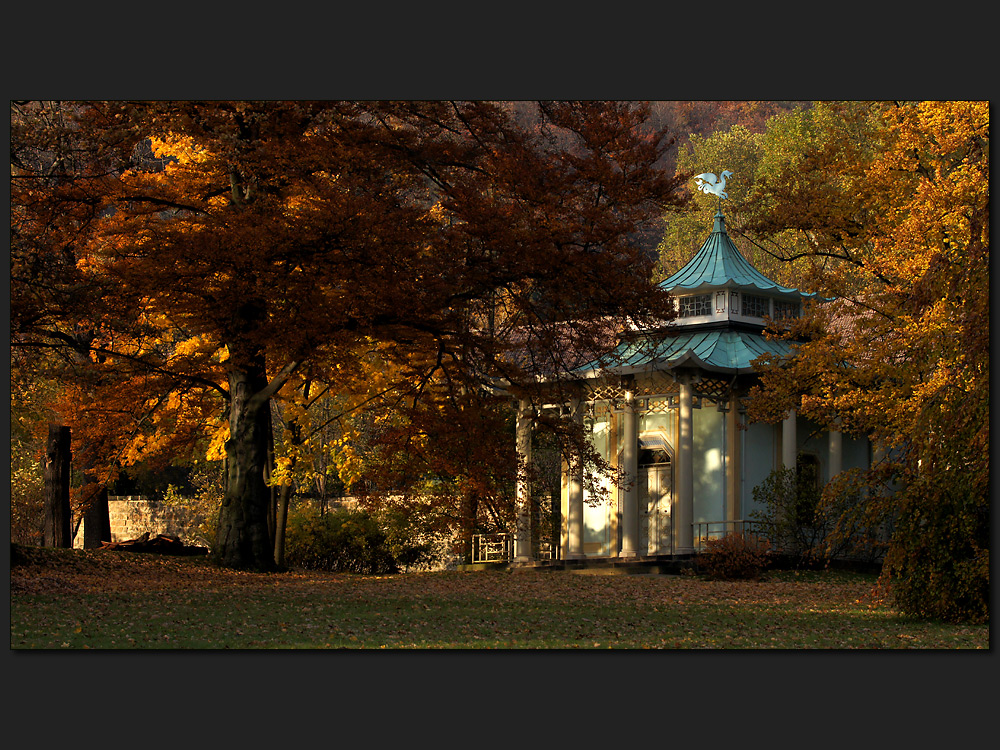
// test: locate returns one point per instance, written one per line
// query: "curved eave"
(724, 352)
(712, 286)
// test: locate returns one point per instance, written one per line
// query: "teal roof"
(727, 351)
(718, 264)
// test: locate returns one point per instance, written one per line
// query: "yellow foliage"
(217, 446)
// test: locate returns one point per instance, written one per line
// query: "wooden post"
(57, 511)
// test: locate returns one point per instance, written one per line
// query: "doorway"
(655, 495)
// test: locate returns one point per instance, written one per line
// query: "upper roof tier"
(719, 264)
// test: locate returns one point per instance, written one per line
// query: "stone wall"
(131, 516)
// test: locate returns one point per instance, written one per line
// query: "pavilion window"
(786, 309)
(698, 304)
(755, 306)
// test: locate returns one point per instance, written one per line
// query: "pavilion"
(665, 408)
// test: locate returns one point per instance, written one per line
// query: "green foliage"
(201, 502)
(735, 556)
(30, 397)
(737, 150)
(409, 536)
(750, 156)
(27, 495)
(858, 503)
(342, 540)
(793, 515)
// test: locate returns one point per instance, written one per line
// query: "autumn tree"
(57, 177)
(282, 234)
(893, 201)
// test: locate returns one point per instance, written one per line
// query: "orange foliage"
(285, 233)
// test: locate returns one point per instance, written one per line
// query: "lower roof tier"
(723, 351)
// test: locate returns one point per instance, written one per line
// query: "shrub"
(939, 564)
(735, 557)
(199, 506)
(793, 516)
(409, 537)
(344, 541)
(27, 495)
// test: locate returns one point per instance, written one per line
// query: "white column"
(522, 538)
(684, 504)
(789, 449)
(630, 469)
(574, 519)
(836, 450)
(733, 459)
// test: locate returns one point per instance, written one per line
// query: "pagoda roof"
(720, 264)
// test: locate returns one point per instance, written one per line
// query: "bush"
(27, 496)
(793, 516)
(408, 538)
(735, 557)
(343, 541)
(939, 564)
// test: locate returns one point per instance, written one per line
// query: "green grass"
(200, 608)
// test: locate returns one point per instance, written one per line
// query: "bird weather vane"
(708, 183)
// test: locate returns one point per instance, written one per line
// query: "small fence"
(549, 551)
(495, 548)
(487, 548)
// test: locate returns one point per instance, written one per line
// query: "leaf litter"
(138, 596)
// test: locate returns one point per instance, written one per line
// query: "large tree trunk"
(57, 466)
(97, 521)
(244, 539)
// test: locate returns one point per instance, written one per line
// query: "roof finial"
(708, 183)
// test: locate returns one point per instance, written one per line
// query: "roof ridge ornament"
(708, 183)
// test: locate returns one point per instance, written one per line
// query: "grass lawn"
(99, 599)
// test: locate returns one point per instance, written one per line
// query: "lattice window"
(784, 309)
(698, 304)
(659, 405)
(755, 306)
(605, 392)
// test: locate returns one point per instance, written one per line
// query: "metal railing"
(549, 551)
(488, 548)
